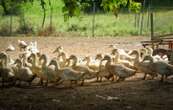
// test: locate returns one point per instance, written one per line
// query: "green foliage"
(1, 10)
(13, 7)
(110, 5)
(135, 7)
(115, 5)
(72, 8)
(43, 4)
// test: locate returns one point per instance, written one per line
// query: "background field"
(106, 24)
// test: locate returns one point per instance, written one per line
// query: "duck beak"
(55, 51)
(15, 62)
(112, 53)
(68, 60)
(40, 59)
(96, 58)
(84, 59)
(103, 59)
(49, 64)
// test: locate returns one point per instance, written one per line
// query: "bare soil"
(132, 94)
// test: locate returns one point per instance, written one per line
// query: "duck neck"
(116, 58)
(150, 58)
(44, 62)
(34, 60)
(56, 66)
(100, 64)
(67, 62)
(5, 61)
(64, 58)
(20, 64)
(24, 61)
(137, 57)
(74, 62)
(81, 75)
(108, 63)
(88, 60)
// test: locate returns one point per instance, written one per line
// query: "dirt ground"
(132, 94)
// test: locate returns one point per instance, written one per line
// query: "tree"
(12, 7)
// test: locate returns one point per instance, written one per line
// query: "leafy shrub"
(47, 31)
(25, 29)
(4, 30)
(75, 27)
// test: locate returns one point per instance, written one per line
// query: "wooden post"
(135, 24)
(148, 20)
(51, 16)
(152, 26)
(142, 19)
(11, 24)
(93, 21)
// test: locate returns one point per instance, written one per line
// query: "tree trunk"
(44, 12)
(51, 15)
(44, 17)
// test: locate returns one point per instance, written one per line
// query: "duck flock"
(118, 65)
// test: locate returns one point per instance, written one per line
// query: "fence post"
(51, 16)
(152, 26)
(135, 24)
(93, 20)
(148, 11)
(11, 24)
(142, 19)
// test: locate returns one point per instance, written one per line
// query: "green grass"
(105, 24)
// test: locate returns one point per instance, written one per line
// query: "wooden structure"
(165, 42)
(159, 40)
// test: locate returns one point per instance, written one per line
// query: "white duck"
(68, 74)
(118, 70)
(22, 45)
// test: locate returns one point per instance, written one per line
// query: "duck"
(143, 66)
(81, 68)
(23, 73)
(58, 50)
(122, 54)
(10, 48)
(68, 74)
(62, 59)
(22, 45)
(49, 74)
(118, 70)
(160, 67)
(6, 71)
(35, 67)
